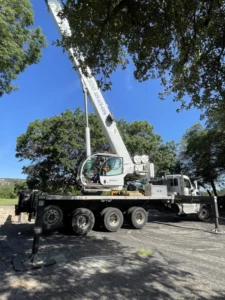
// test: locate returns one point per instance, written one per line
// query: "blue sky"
(52, 86)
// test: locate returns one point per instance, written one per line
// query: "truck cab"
(177, 184)
(180, 185)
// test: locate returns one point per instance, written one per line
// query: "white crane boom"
(101, 108)
(107, 122)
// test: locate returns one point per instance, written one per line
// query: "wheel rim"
(82, 221)
(114, 220)
(51, 217)
(204, 213)
(140, 217)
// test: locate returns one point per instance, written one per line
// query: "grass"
(144, 252)
(8, 201)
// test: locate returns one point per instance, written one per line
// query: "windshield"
(187, 183)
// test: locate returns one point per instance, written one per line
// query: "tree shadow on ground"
(173, 220)
(91, 267)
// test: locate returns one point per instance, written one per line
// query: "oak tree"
(20, 43)
(181, 42)
(55, 148)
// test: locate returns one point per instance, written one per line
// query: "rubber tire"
(129, 215)
(103, 211)
(130, 210)
(58, 211)
(132, 217)
(106, 215)
(202, 217)
(90, 221)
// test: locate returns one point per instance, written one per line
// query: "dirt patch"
(7, 215)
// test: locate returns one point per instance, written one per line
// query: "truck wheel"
(83, 221)
(128, 215)
(112, 219)
(205, 214)
(137, 217)
(130, 210)
(53, 217)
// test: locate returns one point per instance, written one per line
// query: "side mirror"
(196, 184)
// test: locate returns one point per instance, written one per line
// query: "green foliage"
(20, 186)
(216, 118)
(144, 252)
(181, 42)
(7, 192)
(56, 148)
(140, 139)
(20, 46)
(202, 154)
(8, 201)
(221, 192)
(10, 181)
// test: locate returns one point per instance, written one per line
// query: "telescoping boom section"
(102, 170)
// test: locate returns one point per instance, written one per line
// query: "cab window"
(112, 167)
(173, 182)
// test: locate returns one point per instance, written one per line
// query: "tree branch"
(110, 15)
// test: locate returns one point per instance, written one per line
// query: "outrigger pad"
(33, 262)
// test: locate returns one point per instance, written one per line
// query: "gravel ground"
(180, 259)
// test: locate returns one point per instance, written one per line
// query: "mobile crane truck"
(106, 172)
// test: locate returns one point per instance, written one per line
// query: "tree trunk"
(209, 193)
(214, 188)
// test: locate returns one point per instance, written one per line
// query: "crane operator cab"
(106, 171)
(101, 171)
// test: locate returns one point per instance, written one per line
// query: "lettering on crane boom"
(95, 90)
